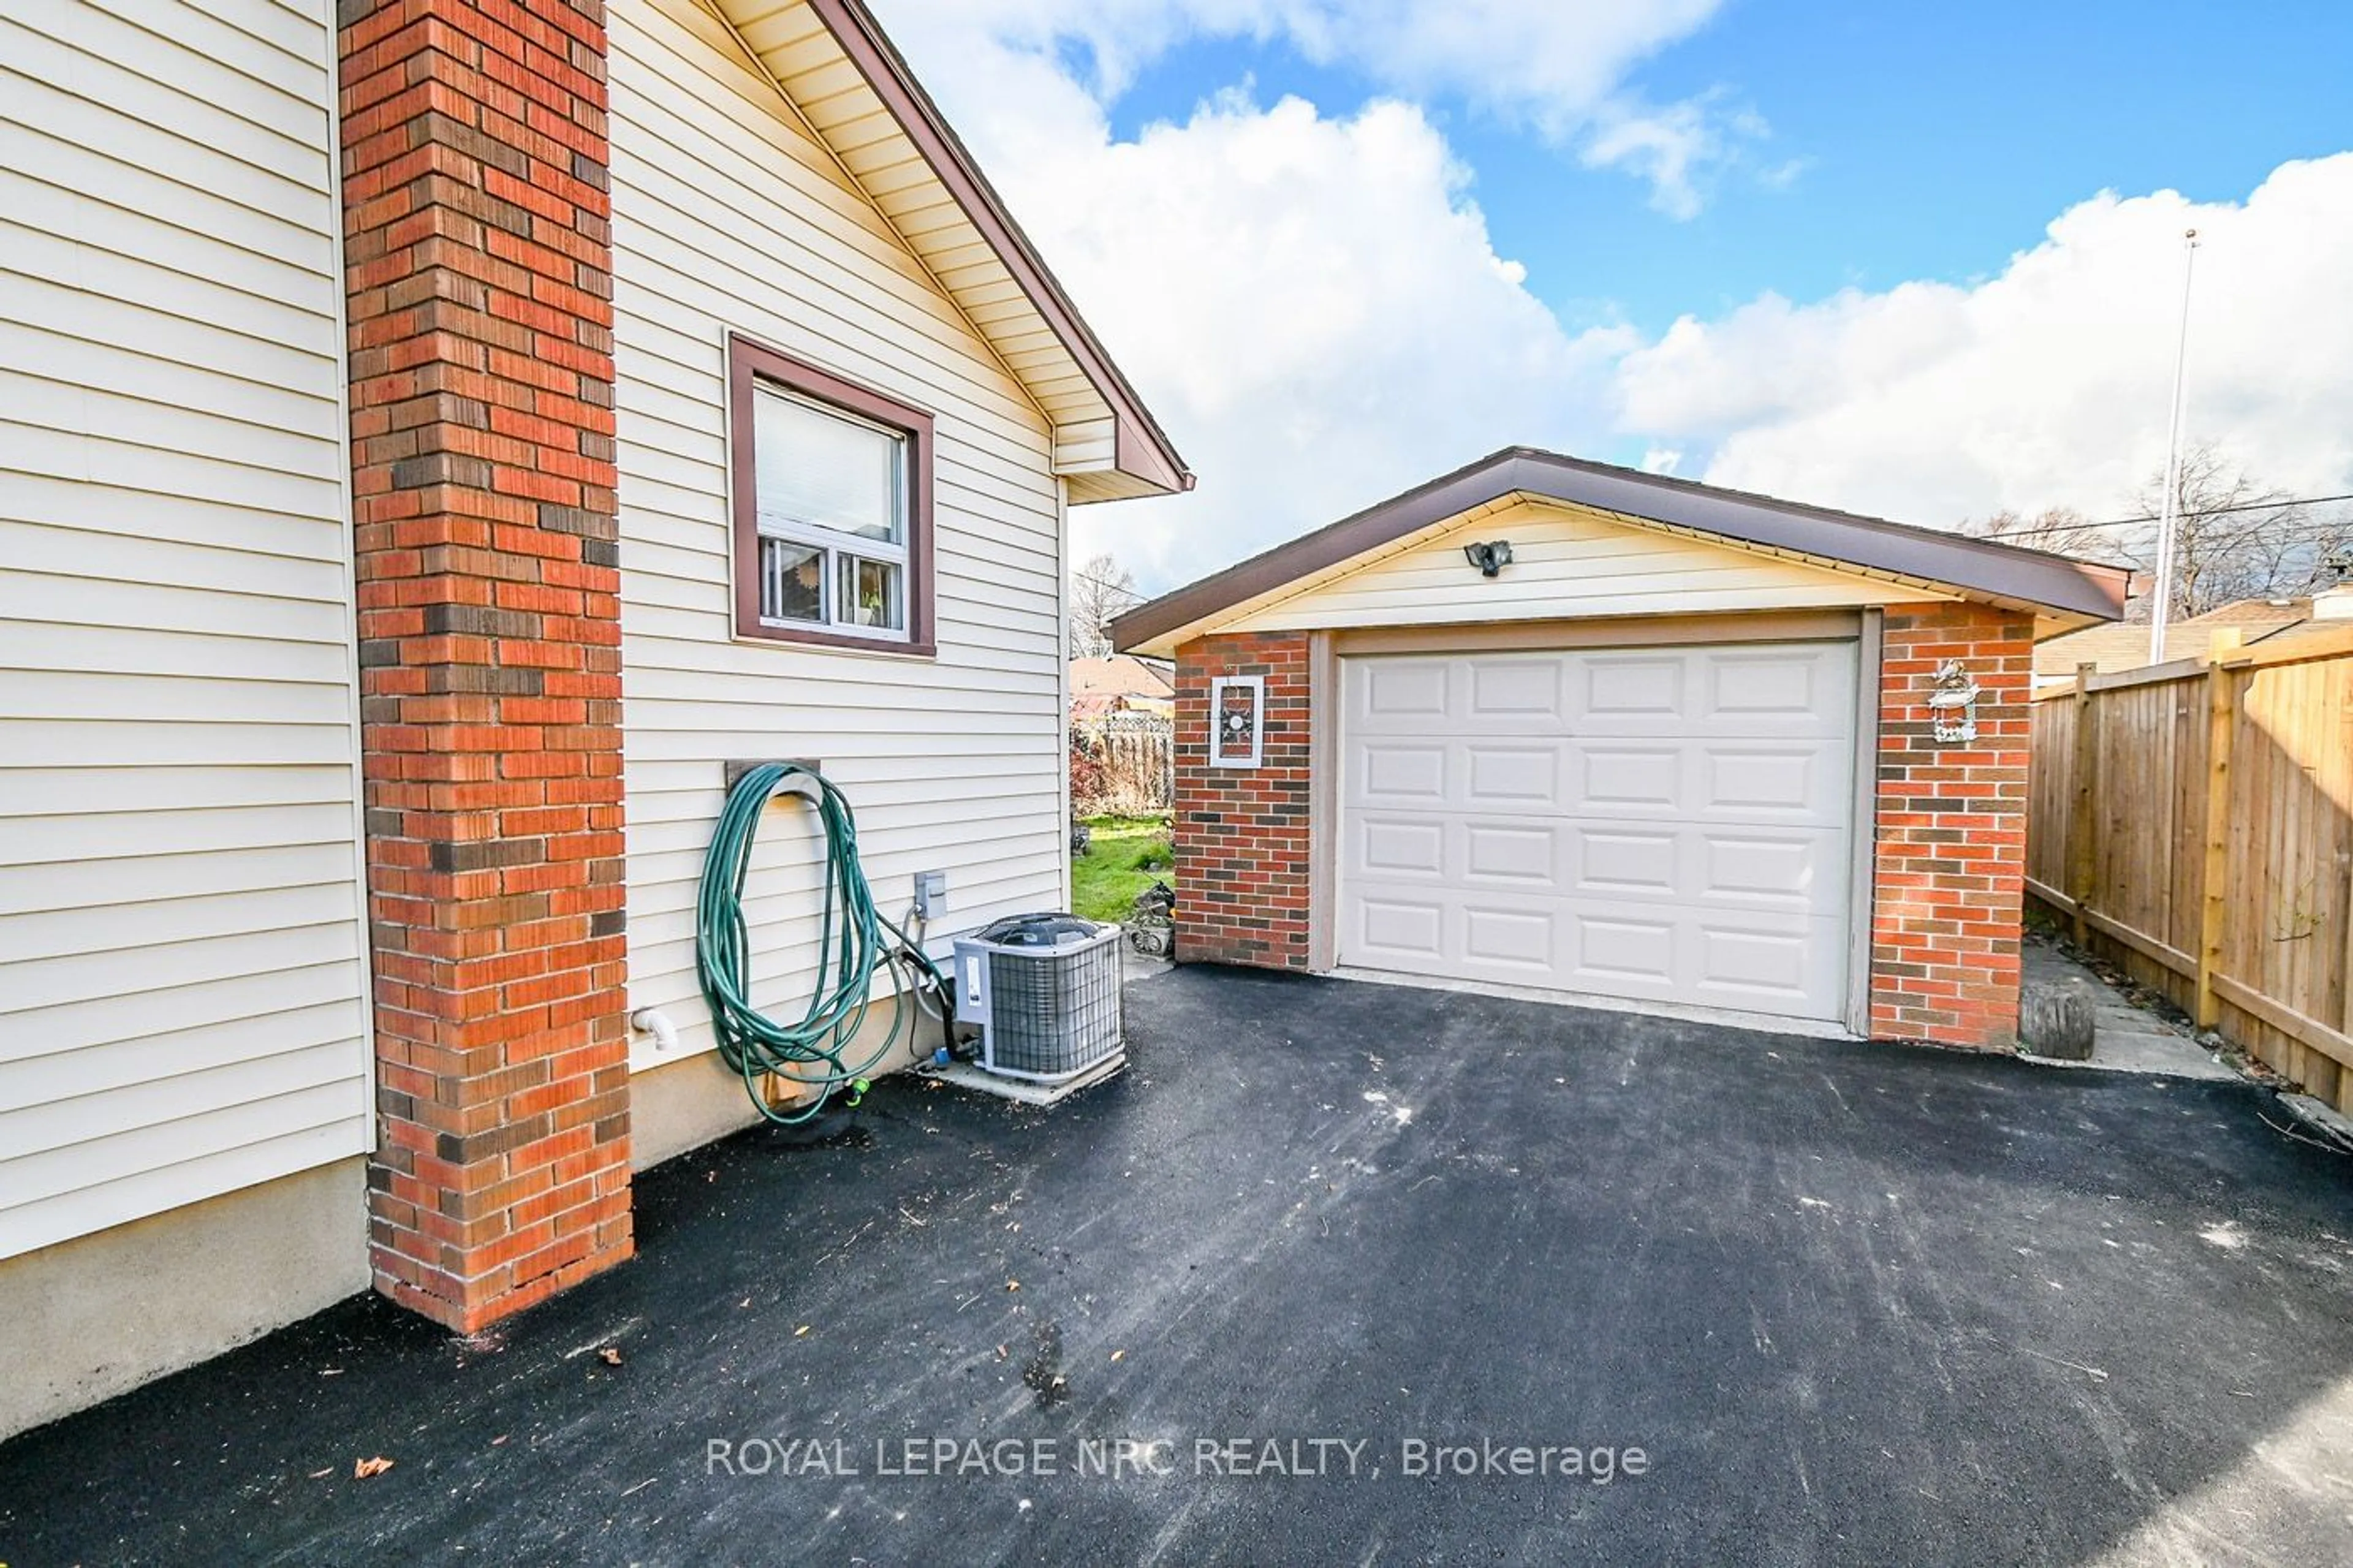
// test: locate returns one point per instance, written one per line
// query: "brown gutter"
(1977, 566)
(1142, 449)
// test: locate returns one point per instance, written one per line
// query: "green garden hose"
(858, 940)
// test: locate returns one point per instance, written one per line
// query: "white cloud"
(2047, 385)
(1314, 307)
(1312, 304)
(1319, 315)
(1676, 147)
(1557, 68)
(1550, 62)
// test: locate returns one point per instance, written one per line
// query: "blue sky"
(1920, 262)
(1929, 143)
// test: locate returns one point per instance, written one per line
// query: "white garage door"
(1667, 823)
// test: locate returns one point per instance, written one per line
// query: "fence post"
(2083, 842)
(2221, 733)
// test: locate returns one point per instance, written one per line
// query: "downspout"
(1062, 679)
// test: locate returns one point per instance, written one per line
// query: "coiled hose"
(856, 941)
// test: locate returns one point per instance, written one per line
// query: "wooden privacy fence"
(1135, 758)
(2194, 821)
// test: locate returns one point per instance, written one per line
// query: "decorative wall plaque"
(1953, 704)
(1237, 720)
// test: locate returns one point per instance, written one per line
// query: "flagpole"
(2169, 522)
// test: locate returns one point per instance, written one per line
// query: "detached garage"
(1552, 724)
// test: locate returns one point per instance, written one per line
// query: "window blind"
(820, 470)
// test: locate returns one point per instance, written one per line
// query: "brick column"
(1949, 865)
(479, 278)
(1241, 833)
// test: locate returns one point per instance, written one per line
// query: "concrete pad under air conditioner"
(966, 1075)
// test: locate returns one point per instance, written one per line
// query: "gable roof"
(1980, 568)
(855, 91)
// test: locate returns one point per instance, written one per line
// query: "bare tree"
(2061, 530)
(1101, 589)
(2236, 538)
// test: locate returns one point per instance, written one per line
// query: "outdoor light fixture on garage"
(1490, 557)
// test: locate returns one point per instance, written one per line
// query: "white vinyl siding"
(181, 1009)
(1565, 563)
(725, 220)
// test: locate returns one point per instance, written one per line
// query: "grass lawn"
(1107, 878)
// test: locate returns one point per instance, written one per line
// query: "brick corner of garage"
(1948, 860)
(1945, 861)
(1242, 833)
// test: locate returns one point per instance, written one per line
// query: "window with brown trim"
(833, 507)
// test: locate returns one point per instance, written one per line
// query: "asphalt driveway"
(1850, 1303)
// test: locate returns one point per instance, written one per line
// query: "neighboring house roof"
(1121, 675)
(856, 94)
(2268, 621)
(2318, 626)
(2075, 591)
(2125, 647)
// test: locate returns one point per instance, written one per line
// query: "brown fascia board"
(1983, 566)
(1140, 448)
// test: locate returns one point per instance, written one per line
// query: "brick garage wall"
(479, 278)
(1241, 833)
(1949, 863)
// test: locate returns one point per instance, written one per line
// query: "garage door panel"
(1431, 847)
(1760, 691)
(1629, 688)
(1496, 852)
(1797, 689)
(1620, 778)
(1749, 783)
(1664, 779)
(1798, 971)
(1781, 687)
(1506, 692)
(1789, 964)
(1403, 929)
(1766, 961)
(1768, 868)
(1613, 862)
(1755, 963)
(1750, 866)
(1660, 824)
(1709, 780)
(1615, 949)
(1523, 939)
(1511, 776)
(1402, 689)
(1398, 773)
(1398, 846)
(1702, 867)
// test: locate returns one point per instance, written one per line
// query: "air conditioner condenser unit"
(1044, 989)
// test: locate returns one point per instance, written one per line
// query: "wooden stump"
(2055, 1021)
